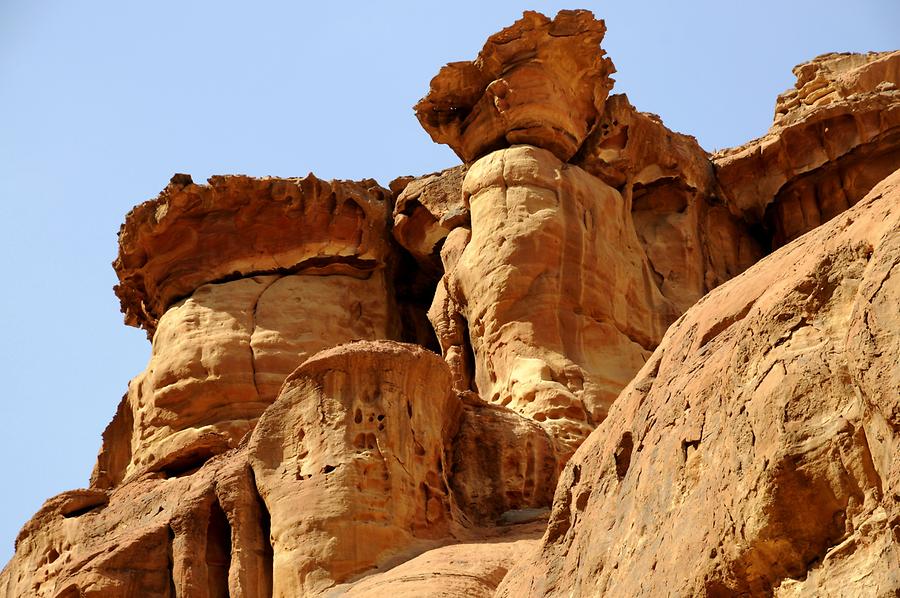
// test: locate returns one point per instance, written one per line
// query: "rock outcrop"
(352, 462)
(369, 392)
(539, 82)
(552, 293)
(692, 241)
(239, 227)
(426, 210)
(834, 137)
(240, 281)
(756, 450)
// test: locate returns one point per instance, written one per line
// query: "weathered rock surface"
(692, 241)
(835, 136)
(552, 293)
(501, 462)
(351, 462)
(345, 474)
(221, 353)
(238, 227)
(282, 443)
(756, 450)
(425, 212)
(197, 534)
(540, 82)
(220, 356)
(471, 569)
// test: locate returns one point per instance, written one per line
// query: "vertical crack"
(266, 549)
(218, 551)
(170, 562)
(252, 330)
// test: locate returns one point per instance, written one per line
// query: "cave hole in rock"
(82, 511)
(84, 505)
(187, 463)
(218, 551)
(265, 549)
(468, 354)
(415, 285)
(623, 455)
(170, 561)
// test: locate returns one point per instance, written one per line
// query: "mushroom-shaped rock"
(240, 281)
(539, 81)
(240, 226)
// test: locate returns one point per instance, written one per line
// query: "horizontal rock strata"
(835, 136)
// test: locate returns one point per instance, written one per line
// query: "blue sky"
(101, 102)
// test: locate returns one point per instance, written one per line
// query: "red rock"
(240, 281)
(425, 212)
(755, 452)
(351, 462)
(692, 241)
(279, 443)
(239, 227)
(552, 295)
(835, 136)
(540, 82)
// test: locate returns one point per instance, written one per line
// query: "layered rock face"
(835, 136)
(756, 450)
(364, 391)
(239, 281)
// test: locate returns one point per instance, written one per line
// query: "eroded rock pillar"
(238, 282)
(552, 291)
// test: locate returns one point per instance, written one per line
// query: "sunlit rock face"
(553, 290)
(755, 453)
(240, 281)
(540, 82)
(835, 135)
(239, 226)
(352, 462)
(692, 240)
(568, 366)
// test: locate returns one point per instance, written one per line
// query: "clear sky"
(101, 102)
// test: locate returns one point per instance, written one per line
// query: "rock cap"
(541, 82)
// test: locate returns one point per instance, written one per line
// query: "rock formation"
(756, 451)
(238, 281)
(553, 291)
(352, 460)
(539, 82)
(835, 136)
(692, 241)
(364, 391)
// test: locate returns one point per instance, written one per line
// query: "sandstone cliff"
(367, 391)
(755, 452)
